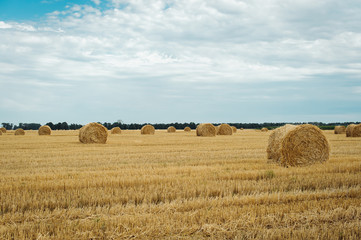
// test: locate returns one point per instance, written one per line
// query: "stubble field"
(174, 186)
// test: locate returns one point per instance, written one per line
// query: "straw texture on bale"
(116, 130)
(93, 133)
(356, 131)
(147, 129)
(349, 130)
(19, 131)
(302, 145)
(234, 129)
(44, 130)
(264, 129)
(3, 130)
(187, 129)
(1, 133)
(171, 129)
(206, 130)
(224, 129)
(339, 129)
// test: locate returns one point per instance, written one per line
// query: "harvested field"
(174, 186)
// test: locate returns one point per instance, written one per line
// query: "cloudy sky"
(180, 60)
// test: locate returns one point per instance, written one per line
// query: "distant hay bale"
(356, 131)
(241, 129)
(339, 129)
(171, 129)
(19, 131)
(224, 129)
(206, 130)
(187, 129)
(302, 145)
(349, 130)
(44, 130)
(147, 129)
(234, 129)
(3, 130)
(116, 130)
(93, 133)
(264, 129)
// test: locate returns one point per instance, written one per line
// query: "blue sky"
(167, 61)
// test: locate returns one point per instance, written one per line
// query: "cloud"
(97, 2)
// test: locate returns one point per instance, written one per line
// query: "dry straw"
(3, 130)
(292, 145)
(206, 130)
(187, 129)
(264, 129)
(339, 129)
(147, 129)
(349, 130)
(356, 131)
(19, 131)
(234, 129)
(224, 129)
(44, 130)
(93, 133)
(116, 130)
(171, 129)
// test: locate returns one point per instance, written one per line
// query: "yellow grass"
(174, 186)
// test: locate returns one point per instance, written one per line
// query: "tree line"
(192, 125)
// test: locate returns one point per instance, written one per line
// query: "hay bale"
(1, 133)
(19, 131)
(234, 129)
(292, 145)
(356, 131)
(264, 129)
(44, 130)
(339, 129)
(171, 129)
(93, 133)
(224, 129)
(187, 129)
(147, 129)
(241, 129)
(349, 130)
(206, 130)
(3, 130)
(116, 130)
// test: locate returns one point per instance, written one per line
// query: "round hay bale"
(187, 129)
(356, 131)
(241, 129)
(206, 130)
(339, 129)
(171, 129)
(93, 133)
(234, 129)
(116, 130)
(349, 130)
(19, 131)
(298, 145)
(147, 129)
(224, 129)
(44, 130)
(3, 130)
(264, 129)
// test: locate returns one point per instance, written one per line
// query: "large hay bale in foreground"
(116, 130)
(302, 145)
(356, 131)
(264, 129)
(234, 129)
(224, 129)
(3, 130)
(339, 129)
(171, 129)
(93, 133)
(147, 129)
(44, 130)
(19, 131)
(187, 129)
(206, 130)
(349, 130)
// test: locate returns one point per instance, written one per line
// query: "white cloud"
(97, 2)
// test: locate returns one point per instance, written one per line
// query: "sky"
(162, 61)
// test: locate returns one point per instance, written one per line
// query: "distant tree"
(51, 125)
(8, 126)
